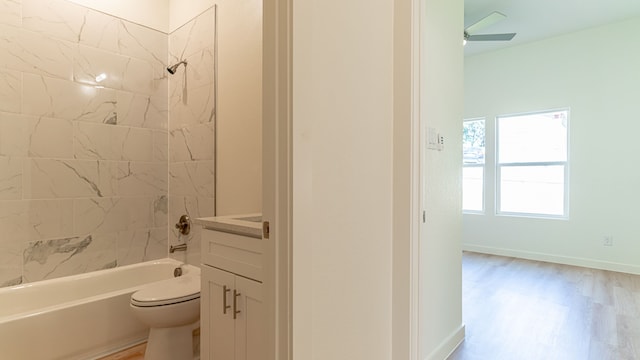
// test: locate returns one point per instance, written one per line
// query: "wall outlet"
(607, 240)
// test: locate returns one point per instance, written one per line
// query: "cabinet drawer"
(238, 254)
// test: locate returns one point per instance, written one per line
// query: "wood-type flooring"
(518, 309)
(133, 353)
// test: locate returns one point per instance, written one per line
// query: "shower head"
(172, 69)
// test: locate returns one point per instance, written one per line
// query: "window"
(473, 141)
(532, 164)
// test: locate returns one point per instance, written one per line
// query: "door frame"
(278, 176)
(407, 177)
(277, 160)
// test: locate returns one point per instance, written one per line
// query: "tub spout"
(181, 247)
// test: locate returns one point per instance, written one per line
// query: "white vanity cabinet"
(231, 322)
(232, 311)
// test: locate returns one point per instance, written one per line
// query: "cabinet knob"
(236, 294)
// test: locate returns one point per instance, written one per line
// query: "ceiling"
(534, 20)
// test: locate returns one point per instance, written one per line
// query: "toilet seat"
(167, 292)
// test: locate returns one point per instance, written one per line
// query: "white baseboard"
(448, 346)
(558, 259)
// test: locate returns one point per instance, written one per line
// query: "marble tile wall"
(191, 129)
(84, 138)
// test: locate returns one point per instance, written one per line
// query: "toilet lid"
(166, 292)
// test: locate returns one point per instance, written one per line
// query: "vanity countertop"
(245, 224)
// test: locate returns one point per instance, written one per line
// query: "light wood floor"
(137, 352)
(525, 310)
(133, 353)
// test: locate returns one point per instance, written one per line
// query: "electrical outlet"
(607, 240)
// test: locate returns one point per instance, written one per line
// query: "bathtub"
(77, 317)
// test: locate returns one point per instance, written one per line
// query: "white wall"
(239, 107)
(345, 139)
(441, 327)
(151, 13)
(181, 11)
(342, 161)
(594, 72)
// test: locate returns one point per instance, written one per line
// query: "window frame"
(499, 166)
(483, 165)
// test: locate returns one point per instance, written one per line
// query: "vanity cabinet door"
(217, 326)
(250, 320)
(232, 316)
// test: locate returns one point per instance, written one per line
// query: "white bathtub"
(77, 317)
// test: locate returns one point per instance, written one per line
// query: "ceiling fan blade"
(487, 21)
(491, 37)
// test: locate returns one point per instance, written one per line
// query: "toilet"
(171, 309)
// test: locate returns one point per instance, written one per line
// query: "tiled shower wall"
(191, 129)
(83, 140)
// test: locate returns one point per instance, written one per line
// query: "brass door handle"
(225, 290)
(235, 303)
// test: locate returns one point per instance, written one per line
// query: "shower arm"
(173, 68)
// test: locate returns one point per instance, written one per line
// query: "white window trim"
(498, 169)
